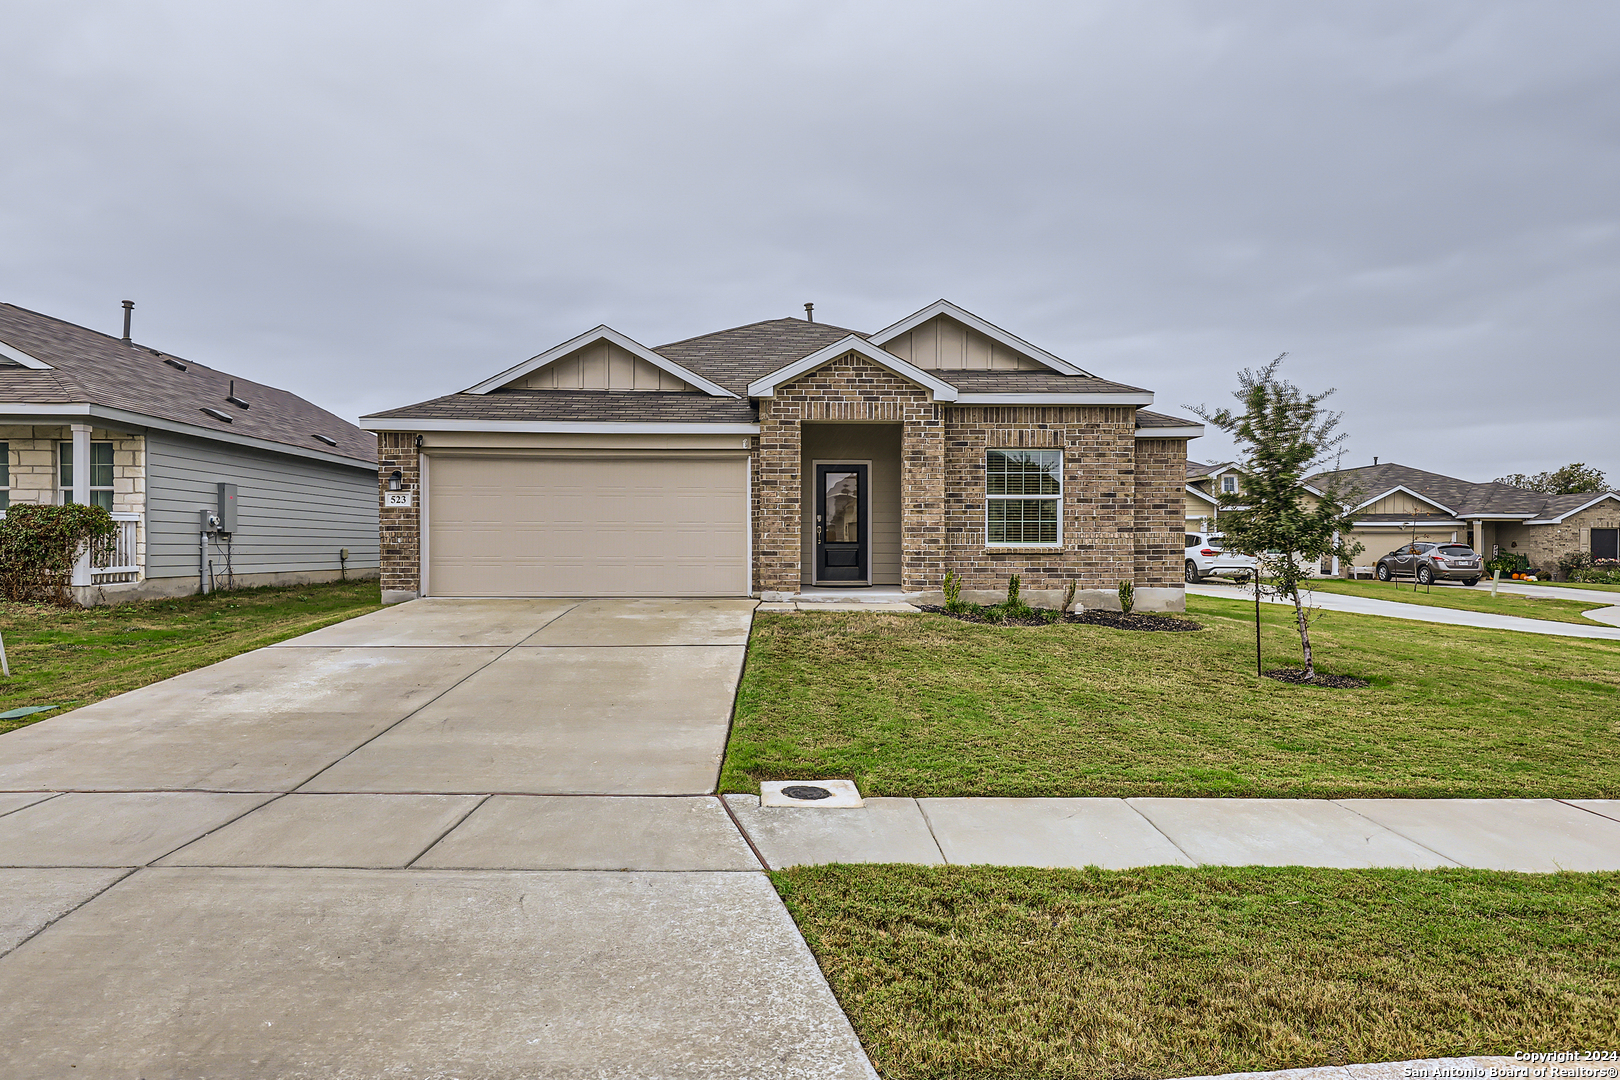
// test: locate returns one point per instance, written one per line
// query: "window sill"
(991, 549)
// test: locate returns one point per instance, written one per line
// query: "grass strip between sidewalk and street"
(74, 656)
(1091, 974)
(1463, 598)
(924, 705)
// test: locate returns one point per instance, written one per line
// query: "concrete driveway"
(452, 838)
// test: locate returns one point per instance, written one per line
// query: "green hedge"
(40, 544)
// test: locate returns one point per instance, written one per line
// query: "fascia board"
(989, 330)
(1409, 491)
(11, 352)
(766, 386)
(1191, 431)
(123, 418)
(1143, 398)
(1578, 509)
(573, 427)
(590, 337)
(1406, 524)
(1201, 496)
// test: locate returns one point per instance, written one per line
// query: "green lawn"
(923, 705)
(1478, 598)
(1022, 973)
(73, 656)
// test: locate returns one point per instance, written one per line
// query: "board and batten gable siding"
(293, 514)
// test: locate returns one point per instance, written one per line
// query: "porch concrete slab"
(330, 830)
(16, 800)
(115, 828)
(1048, 832)
(651, 622)
(425, 973)
(1532, 835)
(869, 608)
(440, 623)
(562, 721)
(592, 832)
(31, 897)
(882, 831)
(1609, 808)
(1280, 832)
(262, 721)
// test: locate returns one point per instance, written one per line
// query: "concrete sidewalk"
(1532, 835)
(1610, 614)
(1480, 620)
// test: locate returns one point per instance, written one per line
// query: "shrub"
(40, 544)
(953, 593)
(1509, 562)
(1572, 562)
(1127, 596)
(1014, 607)
(1601, 572)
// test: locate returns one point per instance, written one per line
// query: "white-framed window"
(101, 473)
(5, 475)
(1228, 484)
(1023, 498)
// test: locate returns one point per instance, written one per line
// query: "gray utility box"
(227, 508)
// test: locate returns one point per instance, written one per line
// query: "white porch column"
(81, 492)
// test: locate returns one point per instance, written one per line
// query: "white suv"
(1206, 559)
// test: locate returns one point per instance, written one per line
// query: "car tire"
(1425, 576)
(1383, 571)
(1471, 582)
(1192, 573)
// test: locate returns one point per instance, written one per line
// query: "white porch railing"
(117, 559)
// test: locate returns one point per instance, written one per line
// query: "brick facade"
(1161, 469)
(1543, 544)
(400, 527)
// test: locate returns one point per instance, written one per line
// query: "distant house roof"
(733, 359)
(1465, 498)
(49, 362)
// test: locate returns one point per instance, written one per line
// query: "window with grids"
(101, 473)
(5, 475)
(1024, 496)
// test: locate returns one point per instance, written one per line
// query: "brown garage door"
(587, 526)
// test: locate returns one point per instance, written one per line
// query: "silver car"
(1432, 562)
(1206, 558)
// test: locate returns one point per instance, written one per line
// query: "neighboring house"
(1205, 485)
(1398, 504)
(781, 455)
(89, 418)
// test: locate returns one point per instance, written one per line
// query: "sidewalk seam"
(125, 876)
(453, 827)
(1137, 811)
(1411, 840)
(929, 822)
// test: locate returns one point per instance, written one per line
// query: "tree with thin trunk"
(1283, 435)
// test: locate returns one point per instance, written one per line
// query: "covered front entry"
(851, 504)
(586, 524)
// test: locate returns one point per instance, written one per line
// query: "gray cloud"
(374, 203)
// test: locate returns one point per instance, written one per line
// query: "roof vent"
(1375, 461)
(172, 362)
(324, 439)
(129, 306)
(233, 399)
(217, 415)
(809, 313)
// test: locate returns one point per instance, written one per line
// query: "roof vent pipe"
(1375, 460)
(809, 313)
(129, 306)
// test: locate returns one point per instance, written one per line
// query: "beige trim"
(514, 440)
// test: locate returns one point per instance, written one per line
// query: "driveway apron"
(451, 838)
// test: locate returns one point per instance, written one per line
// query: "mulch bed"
(1297, 677)
(1090, 616)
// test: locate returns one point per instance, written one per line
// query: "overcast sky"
(375, 203)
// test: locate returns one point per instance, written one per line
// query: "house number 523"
(396, 498)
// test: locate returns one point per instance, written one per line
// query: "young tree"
(1573, 479)
(1283, 435)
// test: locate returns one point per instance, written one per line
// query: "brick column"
(777, 496)
(400, 527)
(923, 554)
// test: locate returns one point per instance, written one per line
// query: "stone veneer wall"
(1543, 544)
(34, 475)
(400, 526)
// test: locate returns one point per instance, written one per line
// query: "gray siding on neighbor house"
(293, 514)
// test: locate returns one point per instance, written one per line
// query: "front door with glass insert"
(840, 524)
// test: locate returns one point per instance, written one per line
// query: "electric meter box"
(227, 508)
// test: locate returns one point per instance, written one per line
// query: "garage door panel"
(580, 527)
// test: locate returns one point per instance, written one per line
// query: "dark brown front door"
(841, 527)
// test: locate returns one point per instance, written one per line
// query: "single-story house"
(159, 441)
(785, 455)
(1398, 504)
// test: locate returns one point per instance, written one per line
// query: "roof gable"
(575, 350)
(766, 386)
(995, 335)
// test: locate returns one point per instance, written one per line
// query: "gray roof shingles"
(97, 369)
(1465, 498)
(734, 358)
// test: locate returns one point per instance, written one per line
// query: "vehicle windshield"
(1456, 551)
